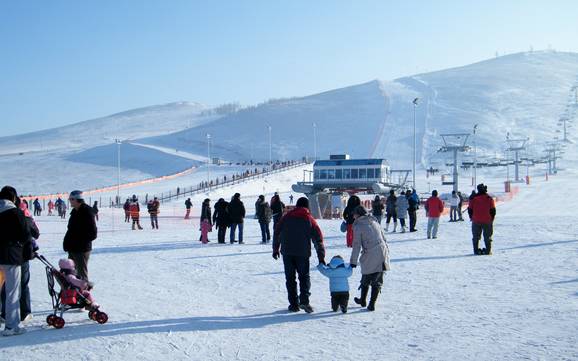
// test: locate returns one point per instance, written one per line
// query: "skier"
(482, 211)
(264, 217)
(390, 211)
(277, 208)
(237, 214)
(188, 205)
(338, 272)
(401, 207)
(95, 210)
(206, 226)
(377, 208)
(153, 208)
(134, 209)
(369, 239)
(126, 208)
(352, 203)
(412, 210)
(454, 202)
(293, 236)
(433, 208)
(221, 219)
(291, 199)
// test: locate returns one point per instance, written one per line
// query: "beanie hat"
(76, 195)
(303, 202)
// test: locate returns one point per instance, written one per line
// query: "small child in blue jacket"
(338, 272)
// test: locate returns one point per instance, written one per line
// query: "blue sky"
(68, 61)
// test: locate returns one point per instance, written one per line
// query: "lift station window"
(371, 173)
(363, 173)
(354, 174)
(338, 174)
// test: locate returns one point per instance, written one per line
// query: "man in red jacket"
(433, 208)
(292, 238)
(482, 211)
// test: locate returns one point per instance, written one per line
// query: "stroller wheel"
(50, 320)
(58, 322)
(101, 317)
(91, 315)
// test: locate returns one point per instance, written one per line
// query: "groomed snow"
(169, 297)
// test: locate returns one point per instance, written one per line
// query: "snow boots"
(362, 299)
(374, 293)
(306, 307)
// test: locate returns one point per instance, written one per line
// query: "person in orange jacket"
(482, 211)
(433, 208)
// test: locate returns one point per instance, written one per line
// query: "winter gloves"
(276, 254)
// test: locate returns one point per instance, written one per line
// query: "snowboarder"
(369, 239)
(433, 208)
(221, 219)
(237, 215)
(338, 272)
(153, 208)
(264, 217)
(390, 211)
(377, 208)
(134, 209)
(205, 221)
(352, 203)
(293, 236)
(188, 205)
(401, 207)
(482, 211)
(80, 234)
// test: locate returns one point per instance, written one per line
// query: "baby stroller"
(67, 299)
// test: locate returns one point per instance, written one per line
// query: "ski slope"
(169, 297)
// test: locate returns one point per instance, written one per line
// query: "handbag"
(343, 227)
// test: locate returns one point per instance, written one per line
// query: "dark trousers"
(265, 234)
(232, 232)
(299, 265)
(276, 218)
(25, 307)
(487, 230)
(412, 219)
(154, 221)
(389, 216)
(339, 299)
(402, 222)
(372, 279)
(221, 232)
(81, 263)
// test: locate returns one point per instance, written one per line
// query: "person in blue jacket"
(338, 272)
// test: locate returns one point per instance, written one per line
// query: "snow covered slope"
(136, 123)
(524, 94)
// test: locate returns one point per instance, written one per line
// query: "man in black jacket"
(292, 237)
(80, 234)
(237, 215)
(14, 238)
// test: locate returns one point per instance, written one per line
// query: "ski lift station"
(341, 175)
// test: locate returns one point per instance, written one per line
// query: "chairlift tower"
(516, 146)
(455, 143)
(552, 148)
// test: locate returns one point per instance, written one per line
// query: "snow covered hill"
(523, 94)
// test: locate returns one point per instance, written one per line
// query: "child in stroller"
(74, 293)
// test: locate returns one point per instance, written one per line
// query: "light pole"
(209, 162)
(414, 140)
(475, 157)
(270, 149)
(314, 141)
(118, 143)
